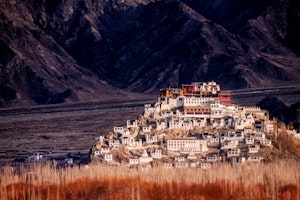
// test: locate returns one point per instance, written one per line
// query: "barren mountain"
(56, 51)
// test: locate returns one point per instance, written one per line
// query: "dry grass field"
(280, 180)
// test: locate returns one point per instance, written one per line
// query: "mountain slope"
(55, 51)
(35, 69)
(270, 22)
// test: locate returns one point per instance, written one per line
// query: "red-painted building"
(225, 98)
(200, 90)
(188, 89)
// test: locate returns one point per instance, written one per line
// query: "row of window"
(197, 109)
(216, 112)
(181, 141)
(198, 113)
(196, 100)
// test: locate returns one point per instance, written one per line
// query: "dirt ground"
(56, 131)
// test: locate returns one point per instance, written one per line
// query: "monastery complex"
(192, 126)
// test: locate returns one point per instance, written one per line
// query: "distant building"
(95, 152)
(205, 165)
(238, 160)
(107, 157)
(170, 93)
(161, 125)
(233, 153)
(145, 158)
(254, 158)
(249, 140)
(265, 142)
(229, 144)
(201, 89)
(253, 149)
(35, 157)
(119, 130)
(114, 142)
(146, 129)
(168, 165)
(104, 150)
(150, 139)
(181, 165)
(225, 98)
(156, 154)
(137, 143)
(179, 159)
(133, 160)
(213, 158)
(132, 124)
(187, 145)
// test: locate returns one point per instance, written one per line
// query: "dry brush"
(280, 180)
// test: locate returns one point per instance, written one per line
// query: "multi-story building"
(181, 165)
(150, 138)
(265, 142)
(146, 129)
(201, 89)
(170, 93)
(161, 125)
(114, 142)
(205, 165)
(133, 160)
(212, 158)
(187, 145)
(224, 98)
(254, 158)
(119, 130)
(156, 154)
(107, 157)
(249, 140)
(132, 124)
(233, 152)
(253, 149)
(237, 160)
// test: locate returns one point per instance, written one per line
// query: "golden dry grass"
(280, 180)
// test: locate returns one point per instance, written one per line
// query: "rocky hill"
(56, 51)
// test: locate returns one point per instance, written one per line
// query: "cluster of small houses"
(238, 136)
(37, 157)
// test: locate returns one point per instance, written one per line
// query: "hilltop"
(196, 126)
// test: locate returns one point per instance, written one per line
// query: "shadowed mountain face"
(54, 51)
(278, 109)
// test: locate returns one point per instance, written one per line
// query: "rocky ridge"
(64, 51)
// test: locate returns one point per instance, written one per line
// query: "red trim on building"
(225, 98)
